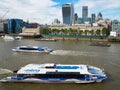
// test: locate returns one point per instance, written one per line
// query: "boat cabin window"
(25, 75)
(53, 75)
(50, 66)
(22, 48)
(93, 70)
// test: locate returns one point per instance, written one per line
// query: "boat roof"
(51, 67)
(30, 46)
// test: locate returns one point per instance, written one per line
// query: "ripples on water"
(72, 53)
(5, 71)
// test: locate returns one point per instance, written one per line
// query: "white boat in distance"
(30, 48)
(18, 38)
(57, 73)
(9, 38)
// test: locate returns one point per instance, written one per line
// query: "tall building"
(93, 17)
(56, 22)
(15, 26)
(75, 18)
(85, 17)
(68, 14)
(80, 20)
(116, 27)
(99, 16)
(3, 23)
(85, 12)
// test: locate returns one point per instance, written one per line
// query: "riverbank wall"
(114, 39)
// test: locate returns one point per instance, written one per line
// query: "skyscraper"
(75, 18)
(85, 12)
(99, 16)
(68, 14)
(93, 17)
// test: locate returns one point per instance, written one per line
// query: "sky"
(45, 11)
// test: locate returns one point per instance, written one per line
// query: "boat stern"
(14, 49)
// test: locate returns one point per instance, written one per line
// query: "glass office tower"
(85, 12)
(68, 14)
(93, 17)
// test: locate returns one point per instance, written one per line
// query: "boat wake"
(5, 71)
(115, 64)
(70, 53)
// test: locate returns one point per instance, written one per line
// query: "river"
(65, 52)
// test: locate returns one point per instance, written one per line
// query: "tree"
(66, 31)
(54, 31)
(98, 32)
(75, 32)
(80, 32)
(45, 31)
(63, 31)
(86, 32)
(104, 31)
(57, 31)
(71, 31)
(91, 32)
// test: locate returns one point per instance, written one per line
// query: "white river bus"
(57, 73)
(30, 48)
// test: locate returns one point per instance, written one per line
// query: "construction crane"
(2, 18)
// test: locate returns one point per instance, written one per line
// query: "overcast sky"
(45, 11)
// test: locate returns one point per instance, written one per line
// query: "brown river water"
(65, 52)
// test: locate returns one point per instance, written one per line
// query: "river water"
(66, 52)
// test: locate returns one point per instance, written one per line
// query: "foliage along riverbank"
(74, 38)
(74, 34)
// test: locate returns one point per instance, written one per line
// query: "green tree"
(71, 31)
(104, 31)
(63, 31)
(86, 32)
(54, 31)
(75, 32)
(57, 31)
(91, 32)
(80, 32)
(98, 32)
(66, 31)
(45, 31)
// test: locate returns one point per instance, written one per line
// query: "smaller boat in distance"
(8, 38)
(11, 38)
(102, 44)
(18, 38)
(57, 73)
(30, 48)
